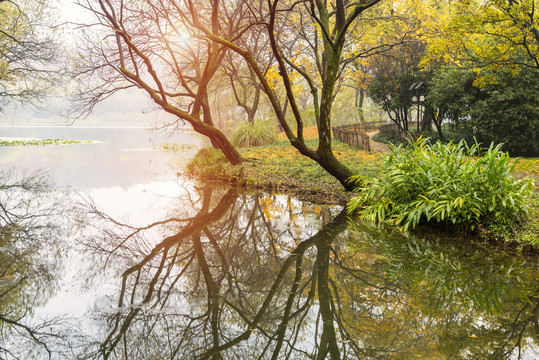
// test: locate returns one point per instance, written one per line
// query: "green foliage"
(450, 135)
(444, 183)
(255, 133)
(503, 110)
(509, 113)
(526, 234)
(391, 79)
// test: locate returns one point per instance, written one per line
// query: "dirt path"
(377, 146)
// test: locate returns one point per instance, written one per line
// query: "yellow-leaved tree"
(309, 41)
(492, 34)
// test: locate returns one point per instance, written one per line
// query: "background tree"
(29, 60)
(154, 46)
(252, 126)
(244, 84)
(491, 34)
(380, 32)
(404, 28)
(393, 74)
(434, 109)
(505, 112)
(317, 56)
(480, 47)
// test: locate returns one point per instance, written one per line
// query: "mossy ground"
(281, 168)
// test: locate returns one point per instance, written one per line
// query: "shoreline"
(267, 169)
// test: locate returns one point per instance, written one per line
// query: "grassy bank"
(281, 168)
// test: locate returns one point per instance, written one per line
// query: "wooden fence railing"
(355, 134)
(363, 126)
(352, 138)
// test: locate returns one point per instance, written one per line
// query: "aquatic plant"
(175, 147)
(42, 142)
(444, 183)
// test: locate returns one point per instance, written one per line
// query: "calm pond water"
(111, 253)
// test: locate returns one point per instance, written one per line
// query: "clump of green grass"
(254, 133)
(525, 233)
(444, 183)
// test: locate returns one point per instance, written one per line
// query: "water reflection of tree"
(448, 301)
(28, 270)
(214, 282)
(223, 286)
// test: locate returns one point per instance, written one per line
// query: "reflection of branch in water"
(134, 231)
(31, 220)
(296, 257)
(222, 291)
(230, 252)
(197, 224)
(17, 201)
(328, 341)
(516, 330)
(192, 229)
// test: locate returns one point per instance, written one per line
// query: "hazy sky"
(127, 107)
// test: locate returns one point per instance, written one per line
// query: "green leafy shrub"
(444, 183)
(256, 133)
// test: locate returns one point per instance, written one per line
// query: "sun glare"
(182, 38)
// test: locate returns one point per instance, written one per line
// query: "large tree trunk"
(337, 169)
(208, 119)
(426, 124)
(219, 140)
(326, 158)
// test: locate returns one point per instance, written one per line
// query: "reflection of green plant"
(476, 303)
(253, 134)
(445, 274)
(444, 183)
